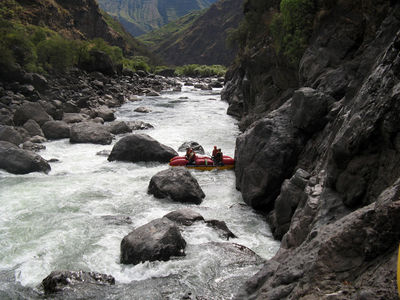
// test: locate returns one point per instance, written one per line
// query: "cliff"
(202, 40)
(320, 148)
(139, 17)
(78, 20)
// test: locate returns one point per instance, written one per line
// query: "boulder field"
(319, 154)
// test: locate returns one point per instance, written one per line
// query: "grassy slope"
(171, 30)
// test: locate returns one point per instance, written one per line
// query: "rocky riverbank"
(319, 154)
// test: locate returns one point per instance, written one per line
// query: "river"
(74, 217)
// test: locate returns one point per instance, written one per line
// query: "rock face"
(177, 184)
(57, 281)
(332, 189)
(18, 161)
(88, 132)
(158, 240)
(141, 147)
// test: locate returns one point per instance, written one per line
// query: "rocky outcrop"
(336, 222)
(141, 147)
(177, 184)
(158, 240)
(18, 161)
(59, 281)
(89, 132)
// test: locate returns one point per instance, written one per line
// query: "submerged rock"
(19, 161)
(141, 147)
(177, 184)
(184, 216)
(58, 281)
(158, 240)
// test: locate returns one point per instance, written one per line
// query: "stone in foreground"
(178, 184)
(18, 161)
(141, 147)
(158, 240)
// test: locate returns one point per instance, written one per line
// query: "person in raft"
(214, 152)
(190, 156)
(218, 158)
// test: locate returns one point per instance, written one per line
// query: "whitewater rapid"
(74, 218)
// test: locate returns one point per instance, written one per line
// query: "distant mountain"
(141, 16)
(198, 38)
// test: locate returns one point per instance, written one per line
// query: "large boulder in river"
(141, 147)
(89, 132)
(19, 161)
(57, 281)
(31, 110)
(194, 145)
(55, 130)
(178, 184)
(158, 240)
(107, 114)
(33, 128)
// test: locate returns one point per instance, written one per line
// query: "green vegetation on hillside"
(290, 26)
(200, 70)
(154, 38)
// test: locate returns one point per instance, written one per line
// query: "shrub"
(56, 54)
(136, 63)
(200, 70)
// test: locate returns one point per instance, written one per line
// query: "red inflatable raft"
(204, 163)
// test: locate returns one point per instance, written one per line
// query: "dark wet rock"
(28, 145)
(310, 109)
(117, 220)
(70, 107)
(158, 240)
(40, 82)
(54, 130)
(9, 134)
(59, 281)
(292, 193)
(265, 155)
(19, 161)
(105, 113)
(88, 132)
(194, 145)
(31, 110)
(38, 139)
(221, 227)
(153, 93)
(143, 109)
(141, 147)
(139, 125)
(177, 184)
(71, 118)
(119, 127)
(33, 128)
(184, 216)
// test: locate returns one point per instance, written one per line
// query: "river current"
(74, 218)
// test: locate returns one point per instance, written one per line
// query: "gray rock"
(158, 240)
(105, 113)
(33, 128)
(221, 227)
(54, 130)
(194, 145)
(119, 127)
(9, 134)
(30, 110)
(28, 145)
(177, 184)
(184, 216)
(141, 147)
(88, 132)
(19, 161)
(143, 109)
(58, 281)
(139, 125)
(71, 118)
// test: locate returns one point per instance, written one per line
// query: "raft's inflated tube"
(178, 162)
